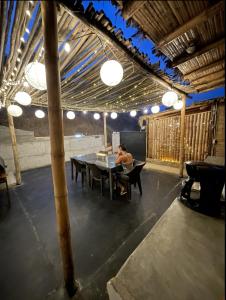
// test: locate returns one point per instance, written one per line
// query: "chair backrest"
(135, 172)
(95, 171)
(79, 165)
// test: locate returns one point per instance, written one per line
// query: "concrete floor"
(104, 234)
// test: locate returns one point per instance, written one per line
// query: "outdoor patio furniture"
(108, 165)
(79, 168)
(3, 178)
(211, 178)
(133, 178)
(97, 175)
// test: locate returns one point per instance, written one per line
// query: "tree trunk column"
(49, 23)
(182, 135)
(15, 150)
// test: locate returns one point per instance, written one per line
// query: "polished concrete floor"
(104, 233)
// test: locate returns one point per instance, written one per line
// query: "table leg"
(72, 170)
(111, 185)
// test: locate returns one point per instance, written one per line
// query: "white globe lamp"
(35, 75)
(178, 105)
(39, 114)
(155, 109)
(111, 72)
(145, 111)
(114, 115)
(96, 116)
(70, 115)
(23, 98)
(169, 98)
(14, 110)
(133, 113)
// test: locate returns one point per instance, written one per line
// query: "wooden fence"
(164, 137)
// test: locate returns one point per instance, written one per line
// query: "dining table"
(106, 163)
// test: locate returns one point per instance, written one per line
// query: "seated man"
(126, 159)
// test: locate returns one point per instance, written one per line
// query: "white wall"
(35, 151)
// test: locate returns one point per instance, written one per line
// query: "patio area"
(104, 233)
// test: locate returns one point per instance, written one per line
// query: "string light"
(133, 113)
(22, 39)
(114, 115)
(145, 111)
(27, 30)
(84, 112)
(18, 59)
(96, 116)
(67, 47)
(28, 12)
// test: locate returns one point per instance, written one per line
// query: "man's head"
(122, 148)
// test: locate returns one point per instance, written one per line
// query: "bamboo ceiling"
(174, 26)
(93, 40)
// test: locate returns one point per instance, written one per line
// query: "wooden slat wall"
(220, 132)
(164, 137)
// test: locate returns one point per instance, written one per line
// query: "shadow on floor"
(104, 233)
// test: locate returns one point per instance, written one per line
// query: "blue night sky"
(145, 45)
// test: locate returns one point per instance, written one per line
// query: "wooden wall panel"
(164, 137)
(220, 131)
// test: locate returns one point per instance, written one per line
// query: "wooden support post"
(15, 150)
(105, 131)
(182, 136)
(49, 23)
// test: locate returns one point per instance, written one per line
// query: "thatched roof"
(93, 40)
(174, 26)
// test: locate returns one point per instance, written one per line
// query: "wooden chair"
(97, 175)
(79, 168)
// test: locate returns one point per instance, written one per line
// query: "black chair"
(132, 178)
(79, 168)
(98, 175)
(3, 178)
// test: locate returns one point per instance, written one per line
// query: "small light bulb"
(22, 39)
(27, 30)
(28, 12)
(67, 47)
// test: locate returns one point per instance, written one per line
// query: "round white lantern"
(114, 115)
(155, 109)
(145, 111)
(14, 110)
(23, 98)
(70, 115)
(39, 114)
(111, 72)
(96, 116)
(67, 47)
(35, 74)
(178, 105)
(169, 98)
(133, 113)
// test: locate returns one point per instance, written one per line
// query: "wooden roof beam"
(203, 50)
(130, 7)
(213, 83)
(204, 68)
(208, 77)
(204, 16)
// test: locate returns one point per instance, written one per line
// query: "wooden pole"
(49, 24)
(105, 131)
(182, 136)
(15, 150)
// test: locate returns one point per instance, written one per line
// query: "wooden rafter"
(213, 83)
(203, 69)
(130, 7)
(204, 16)
(209, 77)
(203, 50)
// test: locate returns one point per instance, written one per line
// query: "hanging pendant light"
(96, 116)
(70, 115)
(133, 113)
(111, 72)
(23, 98)
(155, 109)
(178, 105)
(14, 110)
(39, 114)
(169, 98)
(114, 115)
(35, 74)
